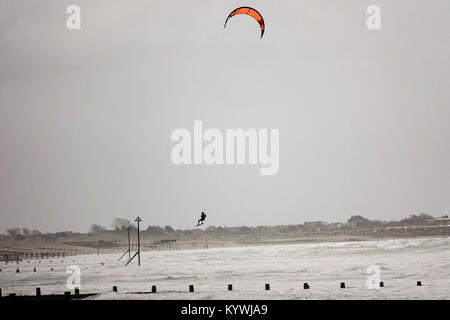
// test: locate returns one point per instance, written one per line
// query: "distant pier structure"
(169, 244)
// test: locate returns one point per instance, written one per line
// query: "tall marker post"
(139, 243)
(138, 253)
(129, 244)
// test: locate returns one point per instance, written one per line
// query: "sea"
(360, 265)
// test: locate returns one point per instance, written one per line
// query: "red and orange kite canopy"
(251, 12)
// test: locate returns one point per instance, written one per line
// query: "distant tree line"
(354, 222)
(25, 232)
(122, 225)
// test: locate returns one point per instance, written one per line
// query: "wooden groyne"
(190, 288)
(66, 296)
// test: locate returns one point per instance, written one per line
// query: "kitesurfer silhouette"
(202, 219)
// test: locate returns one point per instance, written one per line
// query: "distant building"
(442, 221)
(312, 225)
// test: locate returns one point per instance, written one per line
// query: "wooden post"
(129, 243)
(139, 242)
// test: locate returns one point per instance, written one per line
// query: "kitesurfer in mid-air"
(202, 219)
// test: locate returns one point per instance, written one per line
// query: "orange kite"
(251, 12)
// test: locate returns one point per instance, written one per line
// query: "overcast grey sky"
(86, 116)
